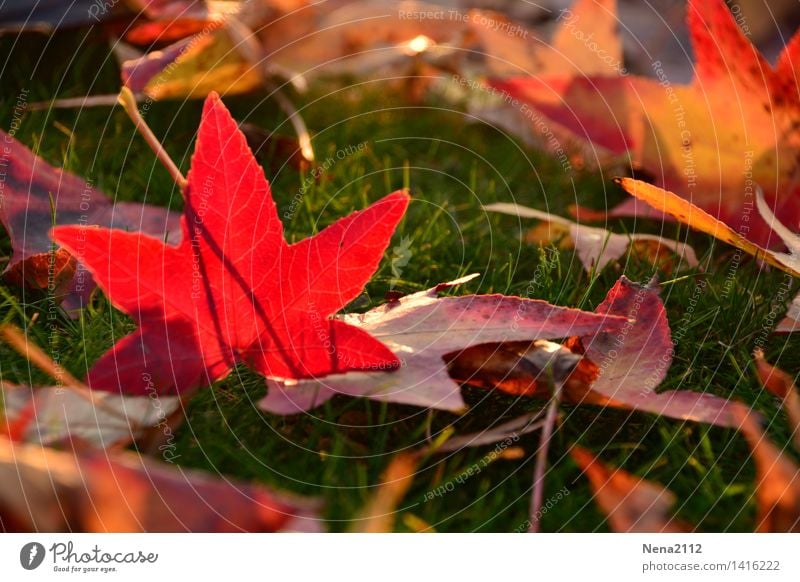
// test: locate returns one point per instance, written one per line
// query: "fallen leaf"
(53, 414)
(53, 272)
(691, 215)
(27, 216)
(596, 247)
(777, 478)
(632, 505)
(156, 9)
(155, 24)
(294, 40)
(234, 290)
(173, 20)
(45, 490)
(192, 67)
(492, 366)
(35, 483)
(695, 217)
(711, 141)
(634, 361)
(779, 383)
(620, 368)
(164, 33)
(138, 72)
(422, 329)
(586, 42)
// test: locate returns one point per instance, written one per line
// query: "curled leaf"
(522, 368)
(696, 218)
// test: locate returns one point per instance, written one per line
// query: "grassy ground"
(338, 451)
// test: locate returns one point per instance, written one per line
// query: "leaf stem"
(537, 495)
(253, 52)
(128, 102)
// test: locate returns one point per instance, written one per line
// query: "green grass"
(452, 167)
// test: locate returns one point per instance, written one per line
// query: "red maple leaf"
(234, 290)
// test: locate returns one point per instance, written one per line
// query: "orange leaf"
(695, 217)
(777, 479)
(632, 504)
(781, 385)
(379, 514)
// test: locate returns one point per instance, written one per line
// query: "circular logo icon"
(31, 555)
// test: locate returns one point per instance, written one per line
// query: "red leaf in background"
(26, 214)
(734, 126)
(234, 290)
(161, 22)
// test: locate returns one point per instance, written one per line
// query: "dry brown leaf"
(521, 368)
(51, 272)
